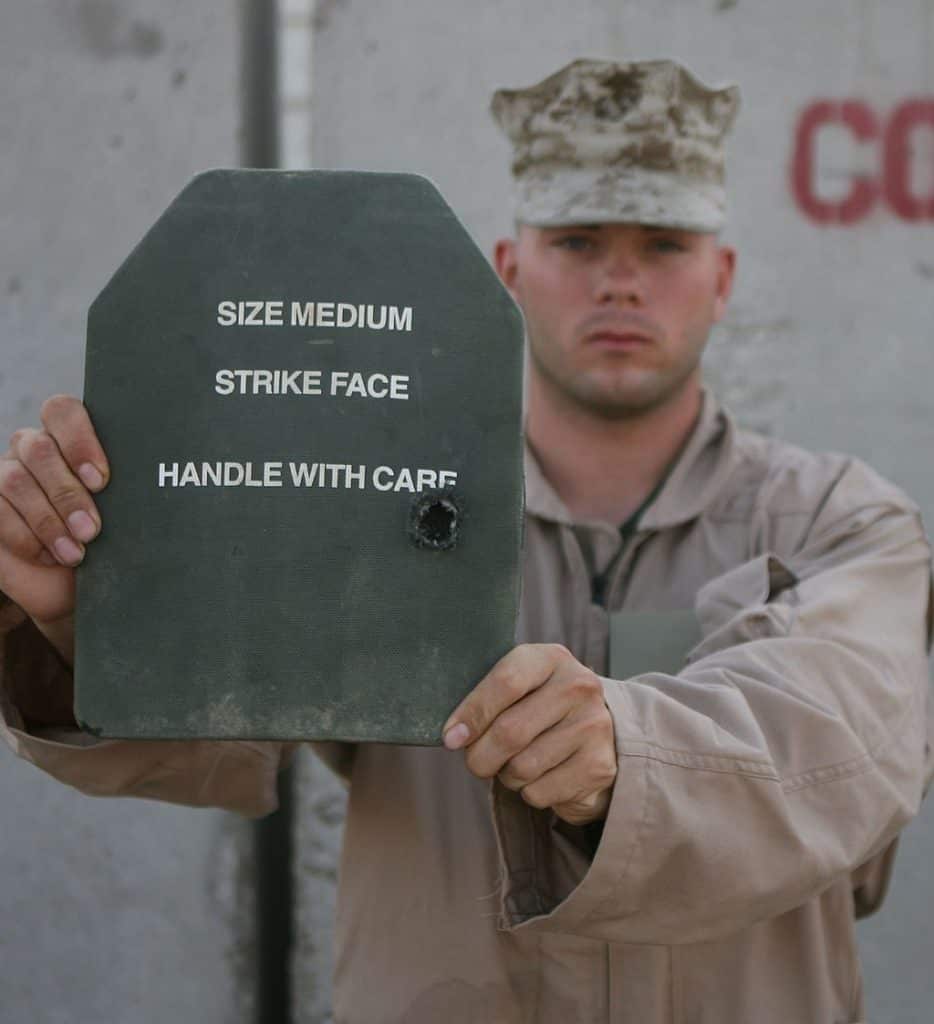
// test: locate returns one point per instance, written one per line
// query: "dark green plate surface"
(331, 611)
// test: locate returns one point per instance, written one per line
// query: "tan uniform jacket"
(759, 790)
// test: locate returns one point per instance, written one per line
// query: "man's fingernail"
(456, 736)
(67, 551)
(91, 476)
(82, 526)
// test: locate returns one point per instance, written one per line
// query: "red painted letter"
(862, 122)
(906, 117)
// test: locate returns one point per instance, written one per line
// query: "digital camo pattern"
(602, 141)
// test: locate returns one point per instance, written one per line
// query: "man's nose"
(619, 279)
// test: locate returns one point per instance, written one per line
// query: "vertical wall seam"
(272, 837)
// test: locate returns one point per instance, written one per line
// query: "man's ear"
(726, 271)
(506, 263)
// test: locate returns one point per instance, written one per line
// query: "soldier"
(686, 780)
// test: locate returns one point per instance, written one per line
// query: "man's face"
(617, 314)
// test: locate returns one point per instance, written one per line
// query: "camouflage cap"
(601, 141)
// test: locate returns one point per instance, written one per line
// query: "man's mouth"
(617, 340)
(626, 333)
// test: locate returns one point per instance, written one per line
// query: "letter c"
(864, 192)
(373, 385)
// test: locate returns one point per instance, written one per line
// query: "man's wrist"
(61, 635)
(38, 676)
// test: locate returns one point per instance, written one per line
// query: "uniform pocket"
(753, 601)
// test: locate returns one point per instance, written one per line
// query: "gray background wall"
(829, 341)
(108, 106)
(112, 910)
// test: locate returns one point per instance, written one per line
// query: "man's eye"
(665, 244)
(574, 243)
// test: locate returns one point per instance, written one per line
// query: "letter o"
(897, 160)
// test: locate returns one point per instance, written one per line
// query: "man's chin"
(624, 400)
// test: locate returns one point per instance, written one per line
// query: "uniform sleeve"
(788, 753)
(237, 776)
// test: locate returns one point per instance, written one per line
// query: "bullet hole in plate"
(435, 520)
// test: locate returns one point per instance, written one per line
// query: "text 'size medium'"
(272, 313)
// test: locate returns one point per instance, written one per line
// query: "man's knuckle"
(510, 779)
(64, 495)
(37, 447)
(477, 765)
(584, 685)
(8, 518)
(508, 733)
(19, 546)
(610, 759)
(80, 451)
(596, 720)
(20, 438)
(535, 798)
(559, 652)
(599, 749)
(15, 479)
(599, 766)
(56, 406)
(47, 524)
(510, 682)
(526, 766)
(591, 763)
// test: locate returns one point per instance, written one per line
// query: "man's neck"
(605, 469)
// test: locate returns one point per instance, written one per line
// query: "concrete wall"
(829, 339)
(112, 910)
(108, 106)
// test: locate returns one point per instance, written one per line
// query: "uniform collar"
(694, 480)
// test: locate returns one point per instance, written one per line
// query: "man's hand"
(538, 721)
(47, 514)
